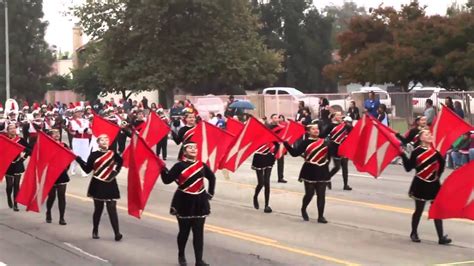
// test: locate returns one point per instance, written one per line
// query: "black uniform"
(337, 133)
(190, 203)
(103, 187)
(13, 174)
(281, 161)
(59, 188)
(262, 163)
(429, 165)
(315, 172)
(184, 135)
(413, 137)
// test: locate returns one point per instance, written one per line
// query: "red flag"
(212, 143)
(447, 127)
(154, 131)
(233, 126)
(346, 148)
(48, 160)
(376, 146)
(291, 132)
(456, 196)
(145, 167)
(103, 126)
(10, 150)
(252, 136)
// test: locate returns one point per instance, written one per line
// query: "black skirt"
(333, 150)
(63, 178)
(422, 190)
(101, 190)
(262, 161)
(185, 205)
(314, 173)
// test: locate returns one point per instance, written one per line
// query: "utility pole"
(7, 52)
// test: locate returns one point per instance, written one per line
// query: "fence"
(402, 106)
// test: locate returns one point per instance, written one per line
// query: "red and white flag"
(290, 132)
(144, 169)
(102, 126)
(154, 131)
(456, 196)
(376, 146)
(233, 126)
(10, 151)
(252, 136)
(447, 128)
(48, 160)
(212, 143)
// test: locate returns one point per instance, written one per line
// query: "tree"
(297, 28)
(30, 58)
(58, 82)
(406, 47)
(207, 46)
(342, 16)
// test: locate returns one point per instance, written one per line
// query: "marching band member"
(315, 171)
(186, 132)
(429, 165)
(190, 203)
(105, 165)
(122, 121)
(262, 163)
(59, 187)
(161, 147)
(34, 126)
(81, 135)
(337, 132)
(13, 174)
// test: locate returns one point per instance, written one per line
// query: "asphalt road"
(367, 226)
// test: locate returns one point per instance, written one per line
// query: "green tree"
(59, 82)
(297, 28)
(30, 58)
(342, 16)
(203, 46)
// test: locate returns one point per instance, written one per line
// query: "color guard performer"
(105, 165)
(429, 165)
(315, 171)
(162, 146)
(13, 174)
(186, 132)
(190, 203)
(59, 187)
(276, 126)
(262, 163)
(337, 132)
(79, 128)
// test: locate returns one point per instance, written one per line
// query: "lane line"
(85, 253)
(2, 264)
(354, 202)
(239, 235)
(456, 263)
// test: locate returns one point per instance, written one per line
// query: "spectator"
(145, 103)
(460, 151)
(429, 112)
(458, 109)
(382, 115)
(324, 111)
(372, 104)
(306, 117)
(229, 112)
(353, 111)
(212, 118)
(449, 103)
(220, 121)
(299, 114)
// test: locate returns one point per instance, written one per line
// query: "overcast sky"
(59, 31)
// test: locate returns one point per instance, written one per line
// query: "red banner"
(102, 126)
(10, 151)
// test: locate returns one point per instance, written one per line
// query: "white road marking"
(2, 264)
(83, 252)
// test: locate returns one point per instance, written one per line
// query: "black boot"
(444, 240)
(255, 202)
(48, 217)
(182, 261)
(347, 187)
(267, 209)
(202, 263)
(10, 202)
(322, 220)
(95, 234)
(118, 237)
(304, 214)
(414, 237)
(15, 207)
(282, 180)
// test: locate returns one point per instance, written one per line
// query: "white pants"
(80, 147)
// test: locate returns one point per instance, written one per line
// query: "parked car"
(438, 96)
(285, 100)
(343, 104)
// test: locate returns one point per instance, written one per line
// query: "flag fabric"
(371, 146)
(447, 127)
(154, 131)
(456, 196)
(212, 143)
(144, 169)
(10, 150)
(233, 126)
(48, 160)
(252, 136)
(102, 126)
(290, 132)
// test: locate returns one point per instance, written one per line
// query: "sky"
(59, 31)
